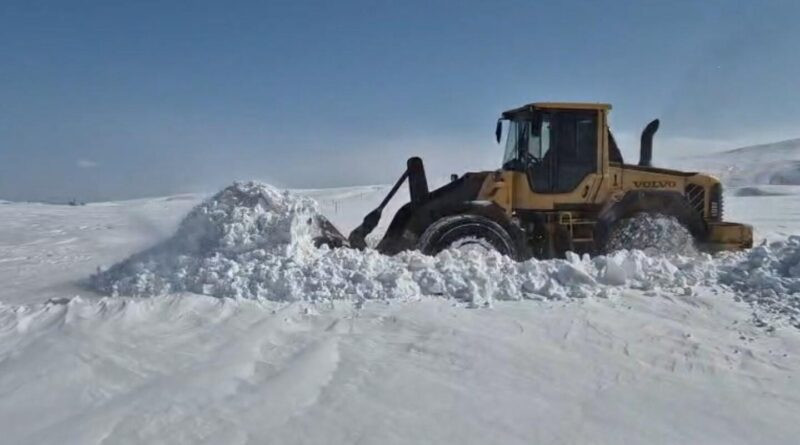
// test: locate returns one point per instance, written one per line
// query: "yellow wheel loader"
(563, 186)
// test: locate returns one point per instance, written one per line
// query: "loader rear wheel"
(651, 232)
(466, 232)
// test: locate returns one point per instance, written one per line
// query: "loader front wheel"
(466, 232)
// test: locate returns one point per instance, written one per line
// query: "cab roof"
(557, 106)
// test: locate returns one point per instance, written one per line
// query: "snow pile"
(243, 224)
(767, 276)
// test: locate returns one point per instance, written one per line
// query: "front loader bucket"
(728, 236)
(328, 235)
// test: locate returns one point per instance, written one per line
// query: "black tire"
(451, 230)
(651, 232)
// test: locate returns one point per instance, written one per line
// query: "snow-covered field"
(628, 349)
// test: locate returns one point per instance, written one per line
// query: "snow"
(769, 277)
(225, 247)
(193, 369)
(351, 347)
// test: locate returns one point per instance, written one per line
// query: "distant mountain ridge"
(788, 145)
(776, 163)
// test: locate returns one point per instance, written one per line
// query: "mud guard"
(664, 202)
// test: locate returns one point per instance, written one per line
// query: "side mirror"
(498, 131)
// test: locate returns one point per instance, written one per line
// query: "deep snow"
(668, 357)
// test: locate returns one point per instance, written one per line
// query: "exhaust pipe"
(646, 146)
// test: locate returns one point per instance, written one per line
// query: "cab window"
(556, 149)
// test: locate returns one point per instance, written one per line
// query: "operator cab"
(555, 145)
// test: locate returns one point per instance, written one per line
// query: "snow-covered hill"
(776, 164)
(711, 359)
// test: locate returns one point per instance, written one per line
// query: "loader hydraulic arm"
(418, 189)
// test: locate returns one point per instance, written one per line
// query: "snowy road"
(636, 368)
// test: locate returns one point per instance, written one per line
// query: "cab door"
(565, 153)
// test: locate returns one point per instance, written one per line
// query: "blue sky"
(110, 100)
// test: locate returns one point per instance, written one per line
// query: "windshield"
(526, 142)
